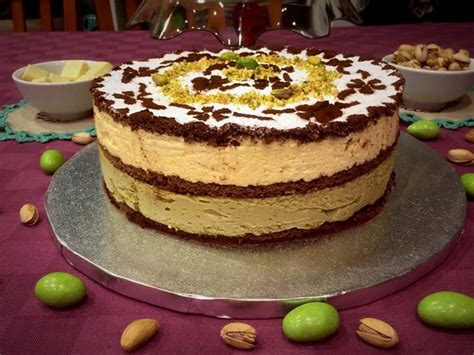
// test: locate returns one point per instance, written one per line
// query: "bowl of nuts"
(434, 76)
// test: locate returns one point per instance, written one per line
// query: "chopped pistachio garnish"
(312, 59)
(319, 82)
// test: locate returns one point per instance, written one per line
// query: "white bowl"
(431, 90)
(61, 101)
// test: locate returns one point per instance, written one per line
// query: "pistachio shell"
(377, 332)
(29, 214)
(239, 335)
(461, 57)
(460, 156)
(469, 136)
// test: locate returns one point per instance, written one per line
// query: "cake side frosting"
(355, 91)
(248, 164)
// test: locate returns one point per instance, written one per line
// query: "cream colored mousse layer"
(250, 163)
(235, 217)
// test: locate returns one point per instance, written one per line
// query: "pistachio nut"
(406, 55)
(29, 215)
(460, 156)
(377, 332)
(421, 52)
(465, 52)
(159, 79)
(239, 335)
(406, 47)
(432, 47)
(461, 57)
(82, 138)
(443, 62)
(283, 94)
(469, 136)
(454, 66)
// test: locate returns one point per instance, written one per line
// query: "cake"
(248, 145)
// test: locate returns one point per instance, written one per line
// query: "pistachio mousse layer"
(251, 144)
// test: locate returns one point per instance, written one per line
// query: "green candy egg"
(447, 309)
(229, 56)
(51, 160)
(248, 63)
(467, 181)
(60, 289)
(311, 322)
(424, 130)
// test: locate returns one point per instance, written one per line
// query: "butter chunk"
(74, 69)
(31, 72)
(96, 70)
(55, 78)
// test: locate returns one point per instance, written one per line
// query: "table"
(27, 327)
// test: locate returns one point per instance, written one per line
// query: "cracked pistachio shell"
(311, 322)
(447, 309)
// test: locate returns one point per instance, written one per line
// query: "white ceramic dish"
(60, 101)
(431, 90)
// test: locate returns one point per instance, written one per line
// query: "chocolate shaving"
(286, 77)
(366, 90)
(260, 84)
(277, 112)
(323, 111)
(217, 66)
(288, 69)
(129, 74)
(280, 85)
(188, 107)
(365, 74)
(203, 84)
(232, 86)
(355, 84)
(344, 93)
(246, 115)
(126, 99)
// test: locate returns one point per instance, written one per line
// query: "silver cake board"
(415, 232)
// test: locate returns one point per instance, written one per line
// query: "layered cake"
(249, 144)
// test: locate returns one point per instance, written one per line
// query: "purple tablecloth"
(26, 326)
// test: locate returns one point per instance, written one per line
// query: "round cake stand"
(418, 227)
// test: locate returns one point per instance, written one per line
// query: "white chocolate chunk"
(74, 69)
(98, 69)
(40, 80)
(31, 72)
(54, 78)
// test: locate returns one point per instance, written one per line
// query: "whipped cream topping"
(379, 81)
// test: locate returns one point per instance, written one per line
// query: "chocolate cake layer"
(235, 217)
(178, 185)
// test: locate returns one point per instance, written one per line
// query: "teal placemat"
(61, 132)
